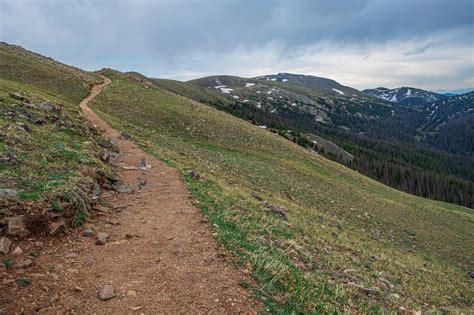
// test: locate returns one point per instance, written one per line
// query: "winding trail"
(161, 256)
(173, 262)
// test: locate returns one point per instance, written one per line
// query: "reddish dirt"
(161, 256)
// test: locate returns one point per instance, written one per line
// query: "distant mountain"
(456, 91)
(405, 95)
(449, 94)
(312, 82)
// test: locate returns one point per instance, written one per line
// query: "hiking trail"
(160, 257)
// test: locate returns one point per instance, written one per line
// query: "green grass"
(43, 160)
(345, 230)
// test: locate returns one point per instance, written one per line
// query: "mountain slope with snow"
(405, 95)
(312, 82)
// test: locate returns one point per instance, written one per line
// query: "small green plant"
(34, 254)
(7, 263)
(56, 206)
(23, 282)
(30, 196)
(79, 219)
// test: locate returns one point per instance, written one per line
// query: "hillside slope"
(383, 140)
(449, 124)
(46, 146)
(316, 235)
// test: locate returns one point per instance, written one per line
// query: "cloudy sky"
(361, 43)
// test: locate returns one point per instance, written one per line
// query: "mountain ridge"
(404, 95)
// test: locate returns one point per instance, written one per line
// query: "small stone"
(143, 165)
(125, 135)
(204, 220)
(24, 264)
(193, 174)
(78, 289)
(395, 296)
(96, 192)
(107, 292)
(17, 227)
(113, 222)
(386, 282)
(123, 189)
(17, 251)
(54, 299)
(105, 156)
(72, 255)
(129, 168)
(101, 238)
(56, 227)
(87, 233)
(370, 291)
(8, 193)
(4, 245)
(131, 293)
(100, 208)
(141, 182)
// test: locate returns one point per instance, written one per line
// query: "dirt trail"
(160, 257)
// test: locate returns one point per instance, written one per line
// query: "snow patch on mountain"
(226, 90)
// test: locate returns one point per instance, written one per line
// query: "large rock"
(107, 292)
(17, 227)
(4, 245)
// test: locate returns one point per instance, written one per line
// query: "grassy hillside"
(384, 140)
(55, 79)
(48, 151)
(349, 243)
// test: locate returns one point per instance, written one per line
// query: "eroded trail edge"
(160, 255)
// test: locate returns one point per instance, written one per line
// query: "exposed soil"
(160, 256)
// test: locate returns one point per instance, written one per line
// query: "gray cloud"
(194, 37)
(422, 49)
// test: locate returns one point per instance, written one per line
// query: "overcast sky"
(360, 43)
